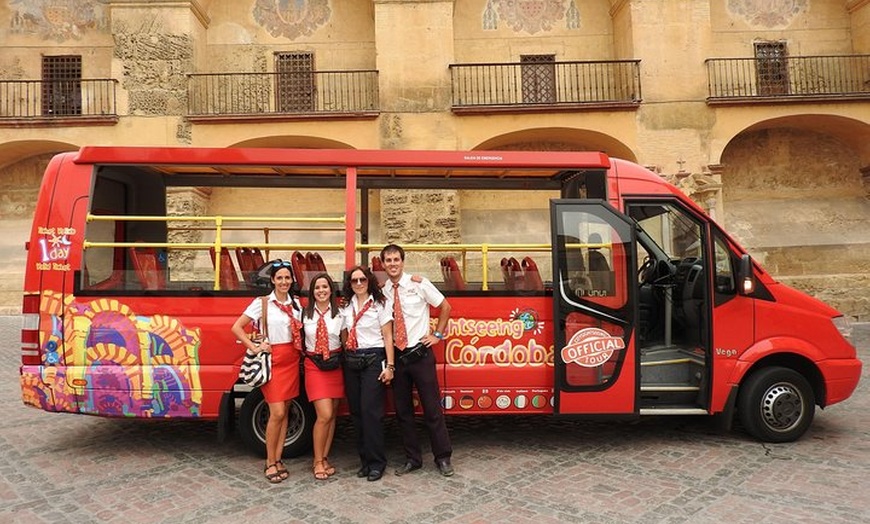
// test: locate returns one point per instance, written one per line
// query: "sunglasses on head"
(280, 263)
(360, 280)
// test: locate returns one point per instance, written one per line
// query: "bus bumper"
(841, 378)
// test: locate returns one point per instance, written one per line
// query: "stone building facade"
(759, 110)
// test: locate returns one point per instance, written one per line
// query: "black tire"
(776, 405)
(254, 414)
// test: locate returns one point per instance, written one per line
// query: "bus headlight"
(844, 326)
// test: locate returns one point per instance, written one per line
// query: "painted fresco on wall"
(134, 366)
(57, 20)
(768, 13)
(291, 18)
(531, 16)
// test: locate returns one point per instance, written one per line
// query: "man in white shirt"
(415, 359)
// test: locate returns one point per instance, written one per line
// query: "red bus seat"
(229, 279)
(512, 273)
(445, 274)
(378, 270)
(147, 268)
(453, 276)
(300, 267)
(531, 275)
(257, 258)
(246, 264)
(315, 262)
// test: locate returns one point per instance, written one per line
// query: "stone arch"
(795, 195)
(18, 150)
(559, 139)
(22, 164)
(847, 129)
(289, 141)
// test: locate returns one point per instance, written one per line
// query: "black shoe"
(375, 474)
(407, 468)
(444, 467)
(363, 472)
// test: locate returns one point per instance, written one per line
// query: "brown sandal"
(282, 470)
(320, 474)
(273, 478)
(330, 470)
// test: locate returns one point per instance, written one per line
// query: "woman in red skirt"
(323, 325)
(282, 320)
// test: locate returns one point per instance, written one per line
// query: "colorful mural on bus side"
(131, 365)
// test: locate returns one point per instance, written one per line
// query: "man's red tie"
(401, 341)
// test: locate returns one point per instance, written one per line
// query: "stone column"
(185, 202)
(717, 206)
(421, 217)
(155, 48)
(414, 43)
(414, 40)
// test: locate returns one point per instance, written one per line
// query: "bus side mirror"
(745, 276)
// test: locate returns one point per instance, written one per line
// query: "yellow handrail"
(179, 218)
(219, 226)
(484, 250)
(218, 243)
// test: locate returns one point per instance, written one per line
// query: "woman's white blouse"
(368, 329)
(278, 321)
(333, 329)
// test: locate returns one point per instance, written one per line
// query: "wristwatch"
(439, 335)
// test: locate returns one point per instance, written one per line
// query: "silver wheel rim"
(782, 407)
(295, 421)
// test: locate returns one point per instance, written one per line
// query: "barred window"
(771, 68)
(296, 89)
(539, 78)
(61, 85)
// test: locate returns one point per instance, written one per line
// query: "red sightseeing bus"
(588, 285)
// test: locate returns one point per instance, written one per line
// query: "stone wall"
(19, 187)
(420, 217)
(797, 202)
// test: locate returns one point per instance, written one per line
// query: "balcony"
(546, 86)
(788, 79)
(38, 103)
(317, 95)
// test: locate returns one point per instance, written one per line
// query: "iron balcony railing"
(788, 78)
(530, 85)
(299, 93)
(85, 97)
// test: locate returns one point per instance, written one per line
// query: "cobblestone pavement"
(67, 468)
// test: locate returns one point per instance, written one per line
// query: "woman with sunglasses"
(323, 327)
(369, 366)
(282, 318)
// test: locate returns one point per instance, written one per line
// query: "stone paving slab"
(72, 468)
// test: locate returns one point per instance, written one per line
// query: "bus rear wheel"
(776, 405)
(254, 414)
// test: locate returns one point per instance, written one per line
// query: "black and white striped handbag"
(256, 368)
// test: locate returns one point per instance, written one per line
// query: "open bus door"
(593, 308)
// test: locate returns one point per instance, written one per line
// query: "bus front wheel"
(254, 414)
(776, 404)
